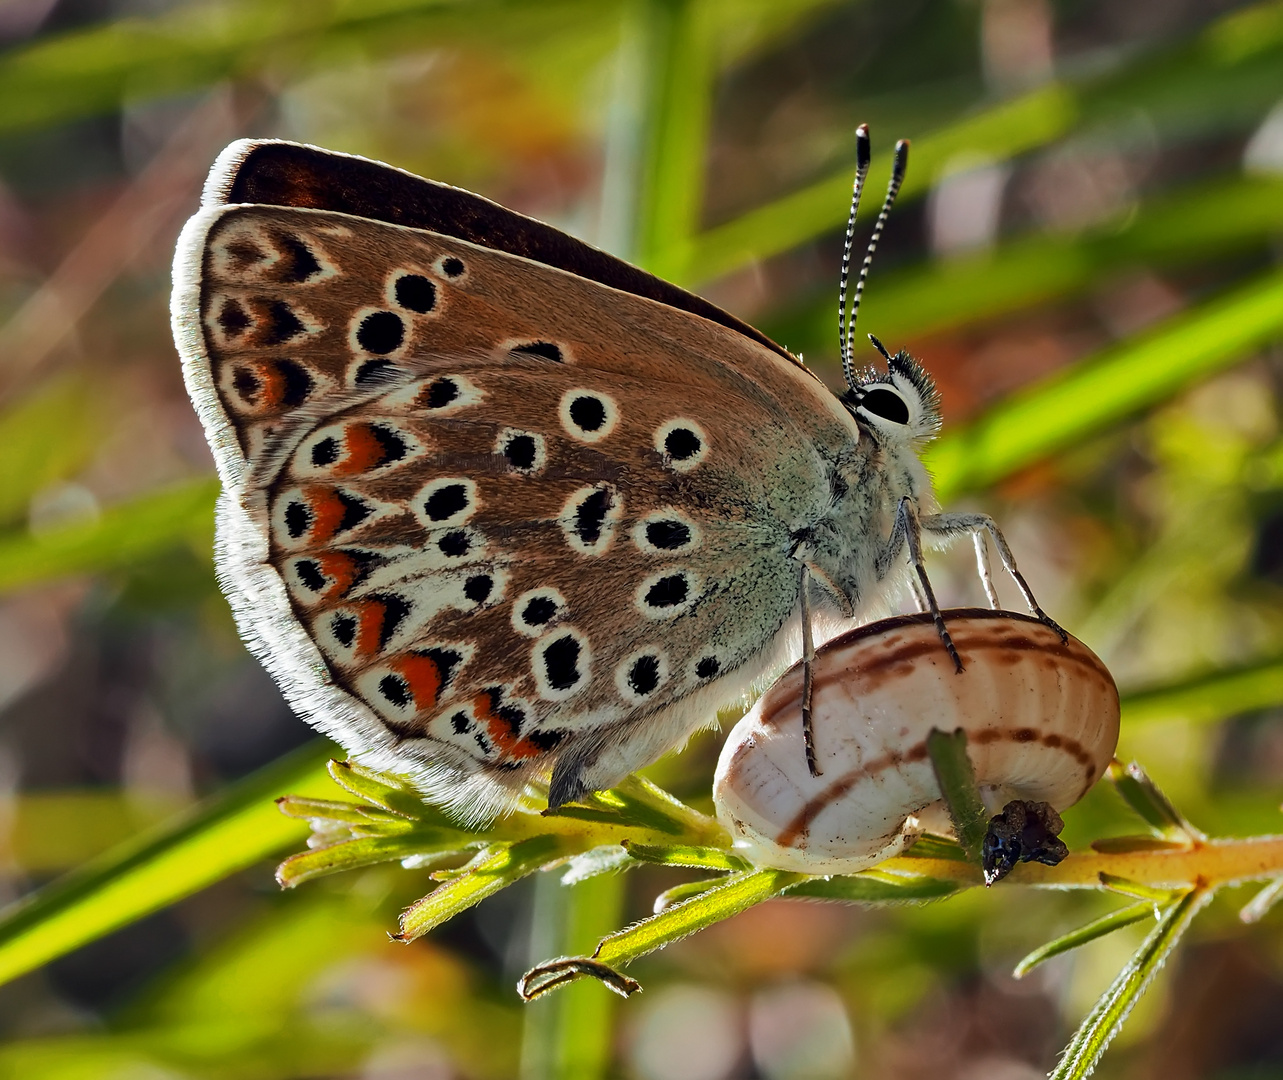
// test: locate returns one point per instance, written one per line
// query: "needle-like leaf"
(1097, 928)
(1107, 1015)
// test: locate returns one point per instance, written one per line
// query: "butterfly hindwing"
(516, 513)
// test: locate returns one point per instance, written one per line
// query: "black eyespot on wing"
(707, 667)
(440, 393)
(887, 404)
(460, 723)
(247, 385)
(414, 292)
(343, 627)
(668, 535)
(395, 690)
(590, 515)
(299, 263)
(588, 412)
(478, 587)
(668, 591)
(232, 318)
(538, 610)
(545, 350)
(561, 662)
(682, 443)
(325, 452)
(282, 324)
(244, 253)
(445, 502)
(392, 447)
(395, 610)
(520, 450)
(381, 332)
(354, 511)
(373, 372)
(452, 267)
(298, 518)
(643, 676)
(546, 740)
(309, 575)
(454, 543)
(297, 383)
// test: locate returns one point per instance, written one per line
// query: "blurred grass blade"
(1144, 796)
(231, 831)
(1259, 906)
(957, 780)
(495, 868)
(126, 533)
(1097, 928)
(1184, 228)
(46, 437)
(1000, 132)
(1209, 697)
(1090, 396)
(1108, 1014)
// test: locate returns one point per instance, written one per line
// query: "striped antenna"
(863, 155)
(893, 189)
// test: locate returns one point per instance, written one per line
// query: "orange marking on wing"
(328, 512)
(340, 570)
(369, 626)
(364, 450)
(422, 676)
(501, 731)
(272, 384)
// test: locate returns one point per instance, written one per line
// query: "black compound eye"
(885, 403)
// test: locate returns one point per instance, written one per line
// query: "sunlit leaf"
(1108, 1014)
(957, 780)
(1097, 928)
(1144, 796)
(495, 868)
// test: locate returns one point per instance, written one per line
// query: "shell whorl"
(1041, 718)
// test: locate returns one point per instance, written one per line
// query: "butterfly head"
(900, 404)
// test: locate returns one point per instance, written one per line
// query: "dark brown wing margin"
(292, 174)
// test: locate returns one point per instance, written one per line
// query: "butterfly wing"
(485, 518)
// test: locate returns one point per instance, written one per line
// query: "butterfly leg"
(976, 524)
(907, 530)
(985, 570)
(808, 664)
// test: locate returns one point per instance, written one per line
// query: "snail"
(1040, 715)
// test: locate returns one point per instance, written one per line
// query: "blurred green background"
(1086, 256)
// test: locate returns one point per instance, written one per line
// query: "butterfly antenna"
(863, 155)
(893, 189)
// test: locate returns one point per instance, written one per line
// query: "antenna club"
(901, 159)
(863, 147)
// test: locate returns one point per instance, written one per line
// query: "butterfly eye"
(885, 403)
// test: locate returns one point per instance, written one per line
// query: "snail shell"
(1041, 718)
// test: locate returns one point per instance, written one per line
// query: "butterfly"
(502, 510)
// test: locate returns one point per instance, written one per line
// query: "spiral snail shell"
(1040, 715)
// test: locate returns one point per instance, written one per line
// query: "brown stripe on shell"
(797, 828)
(896, 657)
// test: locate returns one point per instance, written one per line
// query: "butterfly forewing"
(520, 516)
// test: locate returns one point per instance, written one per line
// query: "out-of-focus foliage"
(1085, 256)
